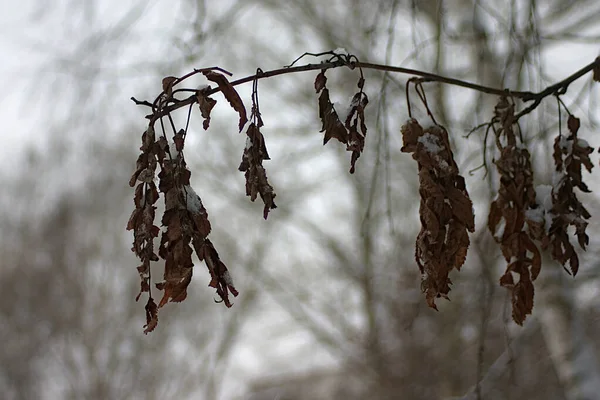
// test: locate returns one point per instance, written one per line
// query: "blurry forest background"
(330, 304)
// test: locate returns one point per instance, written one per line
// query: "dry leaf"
(230, 94)
(332, 126)
(206, 105)
(167, 85)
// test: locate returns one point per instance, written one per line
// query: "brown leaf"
(411, 131)
(167, 85)
(151, 193)
(148, 138)
(230, 94)
(151, 316)
(140, 165)
(179, 139)
(522, 300)
(220, 277)
(332, 126)
(462, 207)
(596, 70)
(573, 124)
(320, 81)
(206, 105)
(132, 222)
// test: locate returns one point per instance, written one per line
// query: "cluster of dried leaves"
(254, 154)
(185, 221)
(347, 132)
(522, 214)
(446, 211)
(570, 154)
(507, 217)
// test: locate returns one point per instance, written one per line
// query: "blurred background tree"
(330, 305)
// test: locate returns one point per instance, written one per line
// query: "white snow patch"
(341, 50)
(543, 196)
(566, 144)
(343, 114)
(443, 164)
(431, 143)
(535, 215)
(582, 143)
(542, 214)
(500, 229)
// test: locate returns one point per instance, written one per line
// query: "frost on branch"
(446, 210)
(508, 214)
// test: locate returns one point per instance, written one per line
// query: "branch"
(526, 96)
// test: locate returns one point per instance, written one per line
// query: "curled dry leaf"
(230, 94)
(151, 316)
(206, 105)
(356, 118)
(446, 210)
(332, 126)
(320, 81)
(220, 277)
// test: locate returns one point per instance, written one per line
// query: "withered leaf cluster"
(570, 154)
(507, 217)
(256, 175)
(185, 220)
(348, 132)
(446, 210)
(519, 217)
(141, 220)
(254, 153)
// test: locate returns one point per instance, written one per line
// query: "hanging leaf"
(206, 105)
(230, 94)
